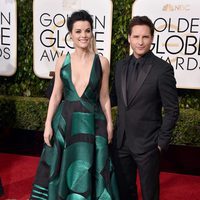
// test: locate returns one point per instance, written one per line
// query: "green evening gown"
(77, 166)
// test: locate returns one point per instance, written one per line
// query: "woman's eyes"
(87, 31)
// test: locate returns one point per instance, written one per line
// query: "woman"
(74, 163)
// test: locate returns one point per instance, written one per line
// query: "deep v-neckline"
(80, 96)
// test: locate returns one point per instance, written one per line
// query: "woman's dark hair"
(80, 15)
(141, 20)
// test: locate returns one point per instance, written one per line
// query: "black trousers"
(127, 164)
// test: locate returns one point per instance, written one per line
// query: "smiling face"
(81, 34)
(140, 40)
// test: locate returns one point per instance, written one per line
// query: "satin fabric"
(77, 166)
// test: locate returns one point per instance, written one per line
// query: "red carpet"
(17, 173)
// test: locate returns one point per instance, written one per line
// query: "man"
(144, 85)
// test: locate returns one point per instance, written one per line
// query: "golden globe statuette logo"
(178, 7)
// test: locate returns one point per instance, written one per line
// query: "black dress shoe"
(1, 188)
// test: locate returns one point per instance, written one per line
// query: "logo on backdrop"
(51, 37)
(8, 38)
(176, 38)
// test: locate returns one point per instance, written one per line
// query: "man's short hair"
(141, 20)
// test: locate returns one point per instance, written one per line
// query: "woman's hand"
(48, 134)
(110, 132)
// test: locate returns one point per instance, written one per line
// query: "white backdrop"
(51, 34)
(177, 36)
(8, 37)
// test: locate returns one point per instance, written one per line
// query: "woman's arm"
(104, 96)
(55, 99)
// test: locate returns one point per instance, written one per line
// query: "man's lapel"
(144, 71)
(123, 79)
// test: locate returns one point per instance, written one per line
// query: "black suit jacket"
(141, 119)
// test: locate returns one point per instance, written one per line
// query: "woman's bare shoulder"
(104, 61)
(60, 60)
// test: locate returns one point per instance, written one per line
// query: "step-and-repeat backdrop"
(51, 36)
(176, 40)
(8, 37)
(177, 36)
